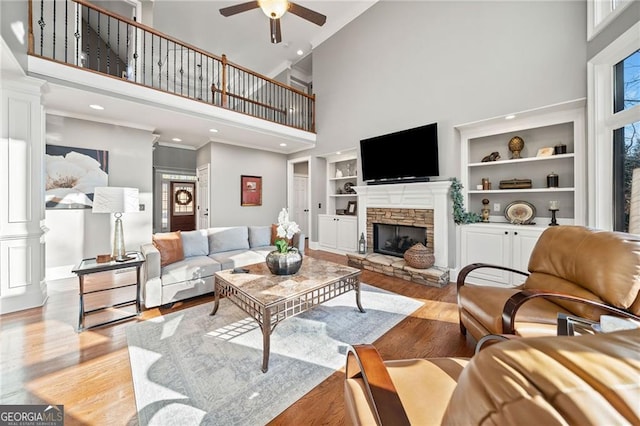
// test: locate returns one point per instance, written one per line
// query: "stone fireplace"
(419, 221)
(424, 206)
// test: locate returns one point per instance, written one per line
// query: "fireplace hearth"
(394, 240)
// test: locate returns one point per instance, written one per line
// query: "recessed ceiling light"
(299, 52)
(283, 144)
(176, 140)
(213, 130)
(510, 117)
(96, 106)
(338, 152)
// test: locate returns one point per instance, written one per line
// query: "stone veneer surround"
(422, 218)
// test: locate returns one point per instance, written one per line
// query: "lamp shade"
(111, 199)
(634, 208)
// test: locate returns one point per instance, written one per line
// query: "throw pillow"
(228, 238)
(259, 236)
(195, 243)
(274, 234)
(169, 244)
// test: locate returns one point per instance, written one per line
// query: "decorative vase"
(418, 257)
(516, 144)
(284, 263)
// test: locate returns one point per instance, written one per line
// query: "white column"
(22, 137)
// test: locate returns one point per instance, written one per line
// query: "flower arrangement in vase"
(285, 260)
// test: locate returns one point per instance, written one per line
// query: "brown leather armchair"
(585, 380)
(573, 270)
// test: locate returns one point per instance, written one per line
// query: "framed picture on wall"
(250, 190)
(71, 175)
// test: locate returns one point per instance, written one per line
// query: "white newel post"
(421, 195)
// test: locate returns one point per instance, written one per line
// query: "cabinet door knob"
(515, 233)
(506, 233)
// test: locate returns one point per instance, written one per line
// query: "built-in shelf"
(521, 160)
(518, 191)
(497, 241)
(343, 178)
(338, 229)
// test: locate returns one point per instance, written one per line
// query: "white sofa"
(206, 251)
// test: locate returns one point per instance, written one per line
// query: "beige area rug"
(190, 368)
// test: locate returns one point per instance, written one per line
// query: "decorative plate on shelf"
(520, 212)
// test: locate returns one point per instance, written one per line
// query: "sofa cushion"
(235, 258)
(195, 243)
(259, 236)
(190, 268)
(226, 239)
(169, 244)
(485, 305)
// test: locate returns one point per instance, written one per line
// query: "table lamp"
(110, 199)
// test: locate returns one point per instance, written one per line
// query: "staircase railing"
(82, 35)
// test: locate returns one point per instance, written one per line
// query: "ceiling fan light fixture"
(274, 9)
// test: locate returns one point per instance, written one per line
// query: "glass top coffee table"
(270, 299)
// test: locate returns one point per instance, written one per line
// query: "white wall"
(77, 234)
(403, 64)
(228, 163)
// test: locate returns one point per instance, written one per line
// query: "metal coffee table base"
(271, 314)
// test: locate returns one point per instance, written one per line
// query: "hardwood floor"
(43, 360)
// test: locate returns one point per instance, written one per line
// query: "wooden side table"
(91, 266)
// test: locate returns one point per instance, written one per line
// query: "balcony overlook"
(141, 77)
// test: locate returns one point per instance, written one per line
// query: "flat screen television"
(407, 155)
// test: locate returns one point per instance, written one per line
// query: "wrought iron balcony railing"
(80, 34)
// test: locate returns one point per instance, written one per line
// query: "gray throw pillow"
(259, 236)
(226, 239)
(195, 243)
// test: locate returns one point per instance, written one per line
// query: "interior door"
(203, 196)
(183, 202)
(300, 211)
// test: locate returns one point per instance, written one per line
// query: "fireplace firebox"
(394, 240)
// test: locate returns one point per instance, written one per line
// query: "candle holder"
(553, 217)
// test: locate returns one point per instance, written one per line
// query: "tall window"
(601, 12)
(626, 140)
(614, 130)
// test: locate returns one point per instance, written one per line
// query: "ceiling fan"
(274, 9)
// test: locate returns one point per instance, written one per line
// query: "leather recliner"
(573, 270)
(582, 380)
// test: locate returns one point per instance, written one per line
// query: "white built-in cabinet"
(505, 245)
(22, 124)
(500, 242)
(338, 230)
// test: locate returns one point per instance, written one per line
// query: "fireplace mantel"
(420, 195)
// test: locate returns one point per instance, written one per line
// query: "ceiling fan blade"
(238, 8)
(308, 14)
(276, 34)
